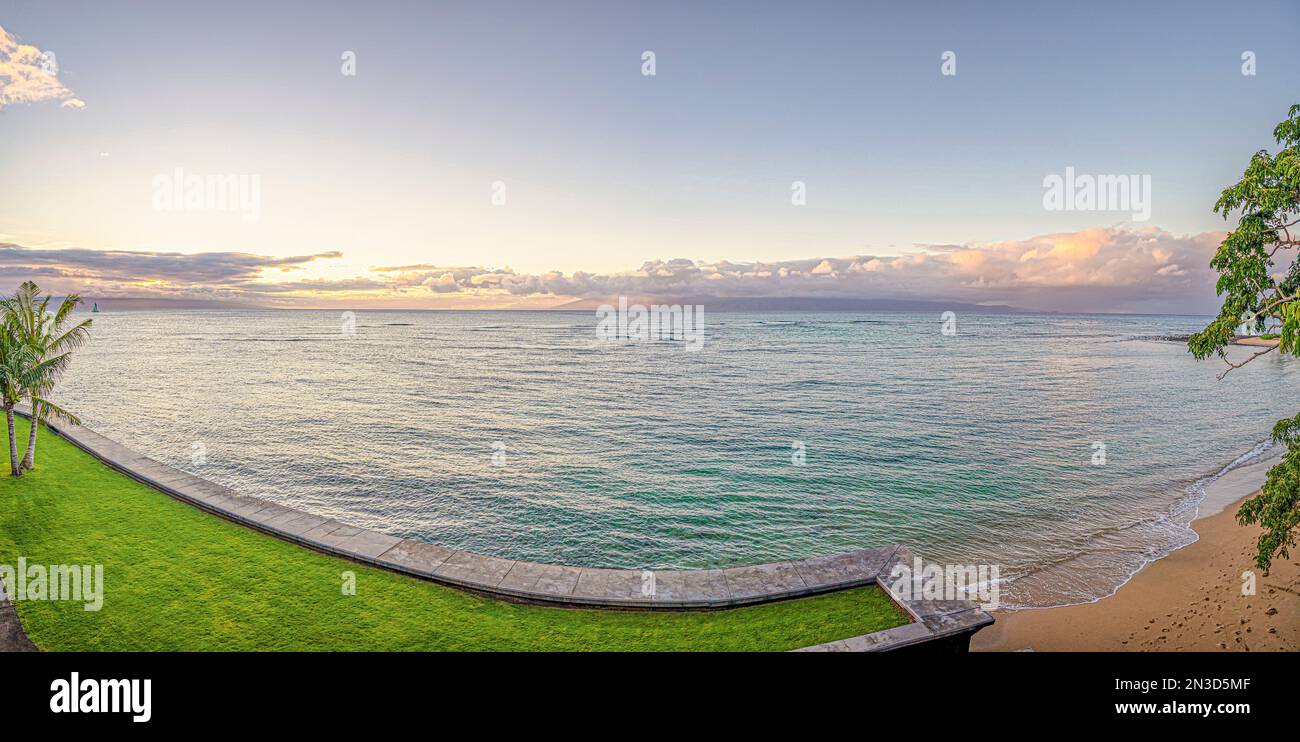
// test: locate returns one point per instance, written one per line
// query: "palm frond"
(72, 338)
(36, 347)
(47, 408)
(70, 303)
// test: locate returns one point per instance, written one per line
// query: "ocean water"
(519, 434)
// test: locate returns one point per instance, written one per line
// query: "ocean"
(1067, 450)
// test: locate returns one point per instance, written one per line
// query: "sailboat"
(95, 309)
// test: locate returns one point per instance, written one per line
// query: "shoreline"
(1224, 489)
(1190, 600)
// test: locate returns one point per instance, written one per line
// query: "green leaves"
(1276, 508)
(1290, 331)
(35, 349)
(29, 321)
(1262, 292)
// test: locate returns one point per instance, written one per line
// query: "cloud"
(1102, 269)
(1114, 269)
(29, 75)
(122, 272)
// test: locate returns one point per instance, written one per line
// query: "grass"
(176, 578)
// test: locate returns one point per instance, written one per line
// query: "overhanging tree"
(1259, 279)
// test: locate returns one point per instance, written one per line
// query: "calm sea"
(518, 434)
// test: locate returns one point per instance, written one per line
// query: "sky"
(495, 155)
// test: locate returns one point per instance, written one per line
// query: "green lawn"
(179, 579)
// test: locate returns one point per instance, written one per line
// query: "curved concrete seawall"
(946, 623)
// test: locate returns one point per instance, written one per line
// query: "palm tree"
(21, 370)
(16, 372)
(51, 340)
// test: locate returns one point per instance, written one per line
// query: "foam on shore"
(1243, 476)
(1114, 556)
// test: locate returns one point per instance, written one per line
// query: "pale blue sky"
(606, 168)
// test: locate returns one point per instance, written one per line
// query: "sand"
(1259, 342)
(1189, 601)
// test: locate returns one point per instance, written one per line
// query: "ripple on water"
(516, 434)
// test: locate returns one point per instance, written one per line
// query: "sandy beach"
(1189, 601)
(1258, 342)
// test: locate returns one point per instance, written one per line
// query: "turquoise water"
(975, 448)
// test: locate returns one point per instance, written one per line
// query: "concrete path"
(12, 636)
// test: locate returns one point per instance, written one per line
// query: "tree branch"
(1272, 304)
(1232, 365)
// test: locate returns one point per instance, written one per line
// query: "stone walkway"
(12, 636)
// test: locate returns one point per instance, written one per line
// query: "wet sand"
(1189, 601)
